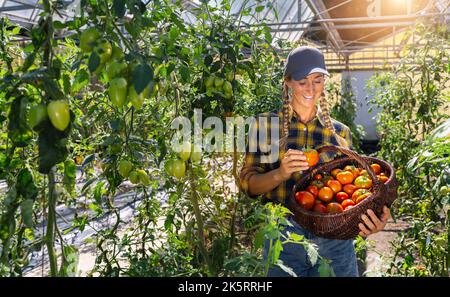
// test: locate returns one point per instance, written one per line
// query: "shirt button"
(304, 129)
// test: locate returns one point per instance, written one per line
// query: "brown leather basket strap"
(377, 184)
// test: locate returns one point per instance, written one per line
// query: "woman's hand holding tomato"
(293, 161)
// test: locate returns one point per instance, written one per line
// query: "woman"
(304, 123)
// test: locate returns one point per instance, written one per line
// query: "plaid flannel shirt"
(312, 134)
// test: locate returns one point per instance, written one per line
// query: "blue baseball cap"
(303, 61)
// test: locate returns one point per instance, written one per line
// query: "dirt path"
(379, 251)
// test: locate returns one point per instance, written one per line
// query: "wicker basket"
(344, 225)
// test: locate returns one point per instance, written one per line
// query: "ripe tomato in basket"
(312, 156)
(345, 177)
(350, 188)
(363, 182)
(376, 168)
(317, 183)
(346, 203)
(305, 199)
(362, 197)
(334, 185)
(313, 190)
(326, 194)
(320, 207)
(358, 193)
(334, 207)
(335, 171)
(353, 170)
(341, 196)
(318, 176)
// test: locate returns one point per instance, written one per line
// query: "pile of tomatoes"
(339, 190)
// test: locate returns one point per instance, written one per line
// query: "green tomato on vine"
(59, 114)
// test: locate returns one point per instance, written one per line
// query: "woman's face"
(306, 92)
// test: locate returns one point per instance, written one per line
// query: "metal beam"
(15, 8)
(320, 10)
(331, 29)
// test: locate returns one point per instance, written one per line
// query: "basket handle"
(331, 148)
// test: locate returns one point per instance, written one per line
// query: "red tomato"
(334, 207)
(320, 208)
(346, 203)
(341, 196)
(334, 185)
(313, 190)
(326, 194)
(348, 207)
(305, 199)
(318, 176)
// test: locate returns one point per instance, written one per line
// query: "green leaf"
(52, 146)
(94, 62)
(25, 185)
(18, 130)
(185, 73)
(259, 8)
(70, 169)
(26, 208)
(276, 250)
(142, 75)
(69, 265)
(325, 269)
(119, 8)
(98, 192)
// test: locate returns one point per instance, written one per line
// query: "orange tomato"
(313, 190)
(350, 188)
(335, 171)
(376, 168)
(383, 178)
(326, 194)
(312, 156)
(334, 207)
(341, 196)
(345, 177)
(358, 193)
(362, 197)
(334, 185)
(305, 199)
(364, 173)
(363, 182)
(353, 170)
(346, 203)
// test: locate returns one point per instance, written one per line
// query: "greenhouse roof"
(351, 33)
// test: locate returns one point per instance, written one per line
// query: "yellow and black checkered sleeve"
(252, 160)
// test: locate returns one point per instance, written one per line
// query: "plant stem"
(200, 224)
(50, 233)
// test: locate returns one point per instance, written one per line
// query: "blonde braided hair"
(287, 116)
(324, 108)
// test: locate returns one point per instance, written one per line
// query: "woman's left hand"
(373, 224)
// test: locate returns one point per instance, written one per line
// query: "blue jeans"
(340, 252)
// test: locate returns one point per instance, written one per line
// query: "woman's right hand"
(293, 161)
